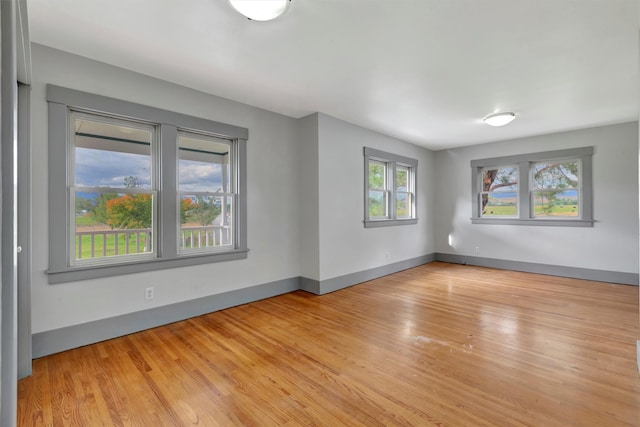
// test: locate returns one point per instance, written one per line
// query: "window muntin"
(113, 192)
(556, 189)
(390, 189)
(499, 193)
(206, 193)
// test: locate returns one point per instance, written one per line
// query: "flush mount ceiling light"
(260, 10)
(499, 119)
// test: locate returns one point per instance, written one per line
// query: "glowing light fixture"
(499, 119)
(260, 10)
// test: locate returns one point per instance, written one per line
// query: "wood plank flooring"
(440, 344)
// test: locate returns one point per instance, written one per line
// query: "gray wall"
(308, 178)
(345, 245)
(273, 198)
(612, 244)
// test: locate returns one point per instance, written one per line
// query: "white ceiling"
(425, 71)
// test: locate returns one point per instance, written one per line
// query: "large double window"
(549, 188)
(390, 189)
(135, 188)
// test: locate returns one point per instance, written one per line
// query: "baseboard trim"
(310, 285)
(57, 340)
(547, 269)
(341, 282)
(638, 354)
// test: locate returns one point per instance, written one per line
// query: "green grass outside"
(85, 220)
(557, 210)
(507, 210)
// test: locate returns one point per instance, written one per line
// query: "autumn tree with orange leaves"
(129, 211)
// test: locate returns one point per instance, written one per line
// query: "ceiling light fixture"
(260, 10)
(499, 119)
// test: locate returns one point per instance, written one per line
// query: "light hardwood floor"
(440, 344)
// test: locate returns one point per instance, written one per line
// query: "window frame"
(73, 188)
(231, 193)
(391, 161)
(61, 101)
(525, 208)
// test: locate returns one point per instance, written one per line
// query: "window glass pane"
(112, 224)
(377, 204)
(206, 221)
(556, 203)
(377, 175)
(555, 175)
(555, 186)
(204, 163)
(205, 166)
(499, 196)
(403, 205)
(111, 153)
(402, 178)
(500, 179)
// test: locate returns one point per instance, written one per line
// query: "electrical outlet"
(148, 293)
(477, 250)
(387, 255)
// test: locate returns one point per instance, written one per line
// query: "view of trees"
(402, 179)
(377, 194)
(379, 188)
(554, 187)
(202, 209)
(499, 191)
(134, 211)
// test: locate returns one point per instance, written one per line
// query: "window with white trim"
(549, 188)
(134, 188)
(390, 189)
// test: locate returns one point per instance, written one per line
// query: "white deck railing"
(205, 236)
(108, 240)
(138, 240)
